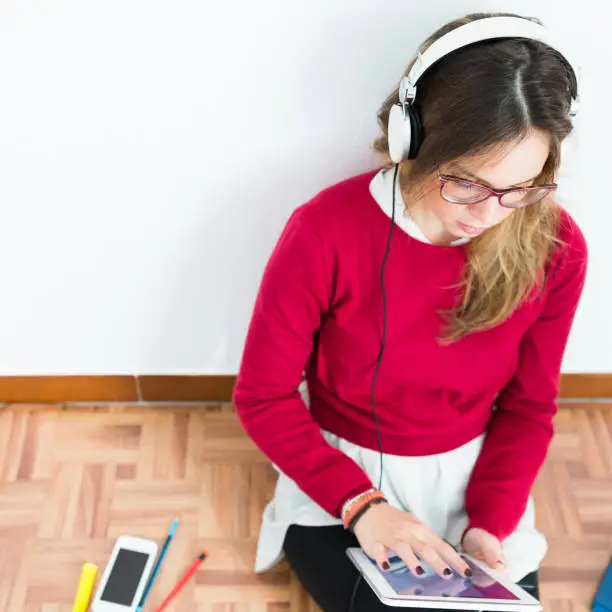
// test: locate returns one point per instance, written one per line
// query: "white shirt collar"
(381, 188)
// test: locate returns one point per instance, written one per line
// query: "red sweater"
(319, 310)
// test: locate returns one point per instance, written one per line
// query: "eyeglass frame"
(498, 193)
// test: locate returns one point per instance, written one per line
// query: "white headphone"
(404, 127)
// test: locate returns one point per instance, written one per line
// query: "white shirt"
(381, 188)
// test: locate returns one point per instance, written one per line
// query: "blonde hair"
(506, 264)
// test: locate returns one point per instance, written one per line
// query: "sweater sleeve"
(521, 427)
(295, 295)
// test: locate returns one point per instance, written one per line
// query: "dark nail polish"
(468, 573)
(385, 565)
(447, 572)
(419, 570)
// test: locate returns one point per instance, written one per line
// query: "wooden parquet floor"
(73, 478)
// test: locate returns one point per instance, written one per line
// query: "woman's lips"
(471, 229)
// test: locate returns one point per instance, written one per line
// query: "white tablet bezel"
(525, 603)
(148, 547)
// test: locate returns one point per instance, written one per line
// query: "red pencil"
(181, 583)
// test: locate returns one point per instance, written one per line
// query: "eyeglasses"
(461, 191)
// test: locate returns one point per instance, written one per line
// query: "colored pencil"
(158, 563)
(181, 583)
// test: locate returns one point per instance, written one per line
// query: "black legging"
(317, 555)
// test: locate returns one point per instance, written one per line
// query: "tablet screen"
(479, 586)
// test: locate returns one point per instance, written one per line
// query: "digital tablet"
(485, 590)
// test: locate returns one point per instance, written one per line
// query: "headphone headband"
(404, 127)
(470, 33)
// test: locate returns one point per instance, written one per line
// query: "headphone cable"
(383, 343)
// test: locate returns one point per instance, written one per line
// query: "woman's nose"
(487, 210)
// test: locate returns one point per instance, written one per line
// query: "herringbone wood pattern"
(72, 479)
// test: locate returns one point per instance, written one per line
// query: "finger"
(431, 556)
(492, 552)
(380, 556)
(478, 555)
(500, 566)
(405, 552)
(493, 556)
(501, 560)
(454, 559)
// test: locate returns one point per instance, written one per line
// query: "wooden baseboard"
(586, 386)
(199, 388)
(187, 388)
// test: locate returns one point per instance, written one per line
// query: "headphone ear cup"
(416, 129)
(399, 134)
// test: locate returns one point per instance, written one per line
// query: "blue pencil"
(603, 599)
(162, 554)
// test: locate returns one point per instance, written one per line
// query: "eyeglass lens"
(464, 192)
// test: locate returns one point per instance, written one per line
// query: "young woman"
(470, 297)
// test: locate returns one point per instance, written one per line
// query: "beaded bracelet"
(353, 502)
(355, 505)
(363, 510)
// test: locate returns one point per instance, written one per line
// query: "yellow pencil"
(86, 584)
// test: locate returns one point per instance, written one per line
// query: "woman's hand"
(384, 527)
(483, 545)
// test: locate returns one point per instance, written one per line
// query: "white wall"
(151, 151)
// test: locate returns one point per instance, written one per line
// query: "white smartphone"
(125, 576)
(487, 589)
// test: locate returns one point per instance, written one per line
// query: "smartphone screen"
(124, 577)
